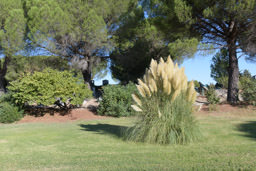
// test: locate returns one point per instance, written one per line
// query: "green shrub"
(164, 106)
(196, 83)
(212, 96)
(117, 100)
(7, 97)
(213, 107)
(223, 81)
(248, 86)
(9, 113)
(47, 86)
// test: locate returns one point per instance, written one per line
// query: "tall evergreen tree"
(137, 42)
(12, 29)
(79, 30)
(219, 67)
(222, 23)
(140, 38)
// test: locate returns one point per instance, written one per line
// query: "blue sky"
(198, 68)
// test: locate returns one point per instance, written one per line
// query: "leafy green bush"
(212, 98)
(7, 97)
(223, 81)
(117, 100)
(248, 86)
(196, 83)
(24, 64)
(47, 86)
(211, 95)
(9, 113)
(164, 106)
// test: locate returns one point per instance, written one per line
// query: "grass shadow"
(115, 130)
(249, 128)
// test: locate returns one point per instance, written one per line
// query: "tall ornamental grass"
(164, 106)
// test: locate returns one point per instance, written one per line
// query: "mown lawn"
(229, 143)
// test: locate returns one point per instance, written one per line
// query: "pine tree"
(222, 23)
(140, 38)
(219, 67)
(12, 29)
(78, 30)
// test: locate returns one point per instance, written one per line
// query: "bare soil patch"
(227, 109)
(73, 115)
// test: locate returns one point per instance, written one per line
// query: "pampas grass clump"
(164, 106)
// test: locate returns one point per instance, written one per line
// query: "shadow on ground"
(41, 111)
(249, 128)
(92, 108)
(115, 130)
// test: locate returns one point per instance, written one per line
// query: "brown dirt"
(227, 109)
(74, 115)
(85, 114)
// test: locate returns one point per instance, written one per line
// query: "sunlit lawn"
(229, 144)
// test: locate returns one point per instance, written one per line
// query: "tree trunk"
(233, 73)
(87, 75)
(2, 85)
(3, 71)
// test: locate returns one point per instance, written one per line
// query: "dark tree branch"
(220, 33)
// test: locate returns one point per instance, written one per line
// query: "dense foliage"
(219, 67)
(47, 86)
(20, 65)
(137, 42)
(140, 38)
(211, 95)
(164, 106)
(224, 23)
(79, 30)
(117, 100)
(196, 83)
(212, 98)
(12, 33)
(248, 87)
(9, 113)
(249, 91)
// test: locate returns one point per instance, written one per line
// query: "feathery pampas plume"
(164, 104)
(136, 99)
(136, 108)
(165, 77)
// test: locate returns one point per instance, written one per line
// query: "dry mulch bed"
(227, 109)
(87, 114)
